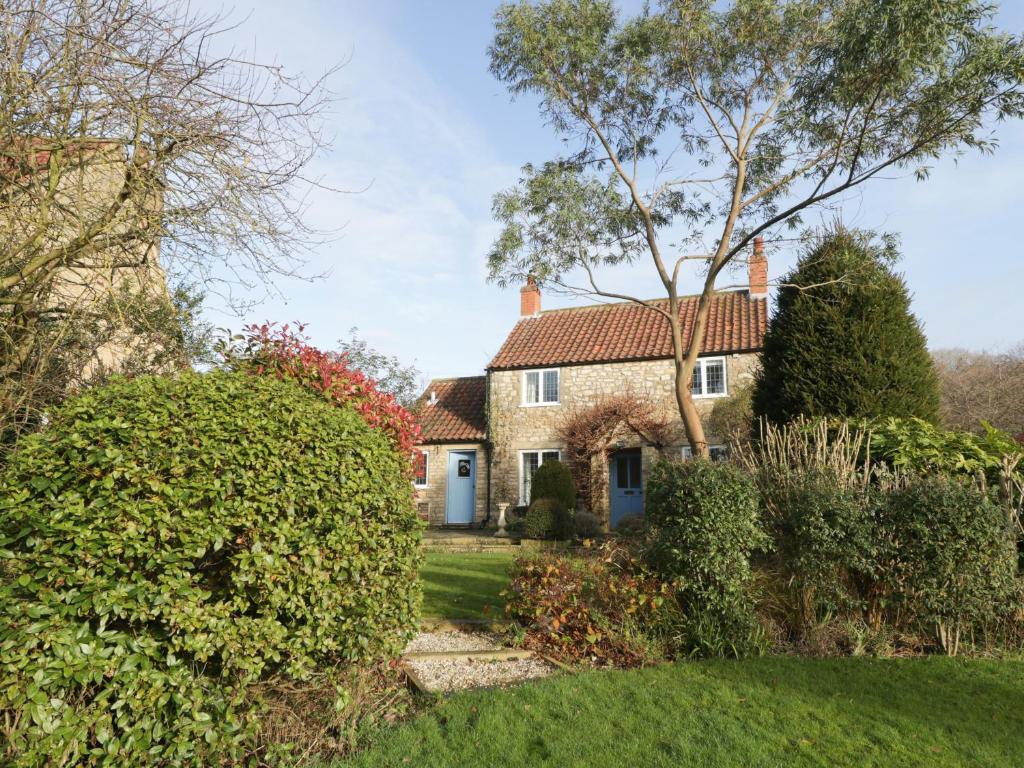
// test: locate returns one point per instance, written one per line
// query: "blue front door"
(627, 487)
(461, 487)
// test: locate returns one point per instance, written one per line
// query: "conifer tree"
(843, 341)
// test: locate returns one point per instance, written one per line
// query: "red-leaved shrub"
(601, 608)
(284, 351)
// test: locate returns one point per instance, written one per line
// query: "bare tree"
(694, 127)
(134, 144)
(981, 387)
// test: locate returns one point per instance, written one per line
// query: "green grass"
(465, 585)
(779, 711)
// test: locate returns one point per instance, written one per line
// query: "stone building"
(93, 218)
(485, 436)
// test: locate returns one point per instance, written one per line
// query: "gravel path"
(444, 675)
(427, 642)
(450, 675)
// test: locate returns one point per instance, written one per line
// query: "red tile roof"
(457, 414)
(625, 331)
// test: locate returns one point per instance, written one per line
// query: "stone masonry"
(431, 499)
(515, 427)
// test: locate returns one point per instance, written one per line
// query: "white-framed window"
(421, 468)
(709, 378)
(529, 461)
(716, 452)
(541, 387)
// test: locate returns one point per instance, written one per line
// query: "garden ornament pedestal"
(501, 532)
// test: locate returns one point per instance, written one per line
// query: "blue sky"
(425, 132)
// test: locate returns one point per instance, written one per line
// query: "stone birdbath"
(501, 532)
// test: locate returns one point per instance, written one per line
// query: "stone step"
(465, 546)
(494, 654)
(463, 625)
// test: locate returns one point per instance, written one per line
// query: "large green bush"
(828, 541)
(953, 558)
(843, 341)
(168, 541)
(553, 480)
(548, 519)
(704, 521)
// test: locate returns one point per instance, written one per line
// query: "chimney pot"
(529, 298)
(758, 270)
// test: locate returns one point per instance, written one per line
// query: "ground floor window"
(717, 452)
(529, 461)
(420, 462)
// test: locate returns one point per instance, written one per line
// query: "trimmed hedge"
(704, 527)
(548, 519)
(829, 542)
(553, 480)
(953, 556)
(169, 541)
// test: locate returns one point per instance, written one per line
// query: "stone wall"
(433, 495)
(515, 427)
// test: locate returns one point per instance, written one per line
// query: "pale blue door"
(627, 488)
(461, 496)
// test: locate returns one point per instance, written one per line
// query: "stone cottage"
(485, 436)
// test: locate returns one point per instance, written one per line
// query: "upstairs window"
(541, 387)
(420, 460)
(709, 377)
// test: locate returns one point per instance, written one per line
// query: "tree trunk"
(687, 410)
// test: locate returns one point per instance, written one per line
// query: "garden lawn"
(781, 711)
(465, 585)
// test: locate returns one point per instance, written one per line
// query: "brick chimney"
(529, 298)
(758, 270)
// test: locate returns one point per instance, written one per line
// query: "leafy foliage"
(631, 525)
(167, 542)
(829, 543)
(864, 524)
(704, 520)
(284, 352)
(387, 371)
(125, 330)
(553, 480)
(548, 518)
(587, 525)
(604, 609)
(843, 342)
(693, 127)
(953, 560)
(918, 446)
(732, 418)
(993, 457)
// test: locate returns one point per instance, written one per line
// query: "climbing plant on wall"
(593, 430)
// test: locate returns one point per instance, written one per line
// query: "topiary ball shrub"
(169, 541)
(954, 556)
(631, 526)
(704, 528)
(587, 525)
(553, 480)
(548, 519)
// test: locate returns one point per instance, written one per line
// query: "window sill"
(709, 397)
(539, 405)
